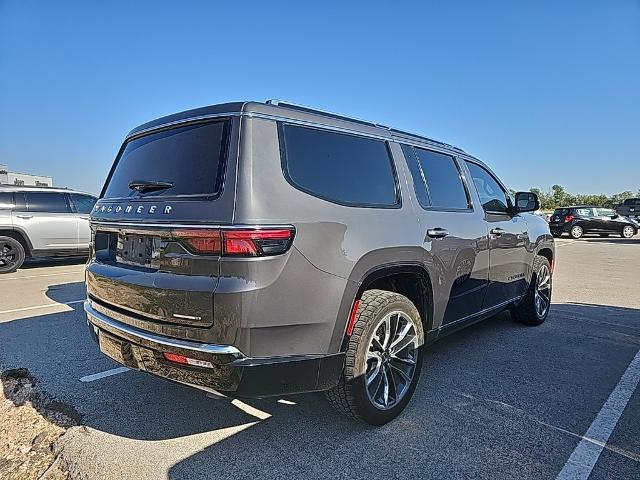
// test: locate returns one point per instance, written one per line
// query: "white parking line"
(36, 307)
(587, 452)
(106, 373)
(43, 275)
(566, 243)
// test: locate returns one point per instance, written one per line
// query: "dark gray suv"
(267, 249)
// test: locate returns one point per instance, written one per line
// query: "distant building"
(14, 178)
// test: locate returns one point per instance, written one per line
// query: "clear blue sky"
(544, 91)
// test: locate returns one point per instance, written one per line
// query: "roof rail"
(422, 137)
(393, 131)
(304, 108)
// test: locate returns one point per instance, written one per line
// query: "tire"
(11, 255)
(576, 231)
(528, 311)
(556, 234)
(627, 231)
(368, 353)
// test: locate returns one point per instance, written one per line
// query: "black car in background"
(581, 219)
(629, 208)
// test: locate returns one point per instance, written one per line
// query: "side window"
(83, 203)
(492, 196)
(49, 202)
(436, 179)
(419, 182)
(340, 168)
(6, 200)
(585, 212)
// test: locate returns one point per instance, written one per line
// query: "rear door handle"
(497, 231)
(437, 233)
(26, 217)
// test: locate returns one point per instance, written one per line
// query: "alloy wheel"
(391, 360)
(542, 295)
(628, 232)
(8, 255)
(576, 231)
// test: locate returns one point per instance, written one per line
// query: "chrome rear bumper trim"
(140, 336)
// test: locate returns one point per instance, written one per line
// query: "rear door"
(454, 234)
(509, 259)
(47, 219)
(6, 204)
(604, 220)
(82, 205)
(587, 219)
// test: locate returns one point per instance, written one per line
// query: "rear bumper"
(229, 371)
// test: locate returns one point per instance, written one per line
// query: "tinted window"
(419, 181)
(584, 212)
(50, 202)
(6, 200)
(605, 212)
(444, 184)
(561, 211)
(83, 203)
(492, 196)
(340, 168)
(191, 158)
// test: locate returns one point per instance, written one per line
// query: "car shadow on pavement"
(67, 292)
(31, 263)
(498, 390)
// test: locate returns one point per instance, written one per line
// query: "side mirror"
(526, 202)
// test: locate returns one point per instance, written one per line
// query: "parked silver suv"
(268, 249)
(42, 222)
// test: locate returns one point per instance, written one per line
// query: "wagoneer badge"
(140, 209)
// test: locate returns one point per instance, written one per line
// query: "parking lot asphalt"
(496, 400)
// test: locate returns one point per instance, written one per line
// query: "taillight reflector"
(181, 359)
(352, 317)
(568, 218)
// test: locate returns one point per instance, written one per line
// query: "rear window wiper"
(149, 185)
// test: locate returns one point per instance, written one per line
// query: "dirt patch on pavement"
(30, 424)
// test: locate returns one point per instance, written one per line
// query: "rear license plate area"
(143, 250)
(116, 349)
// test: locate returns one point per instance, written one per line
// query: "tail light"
(249, 242)
(568, 218)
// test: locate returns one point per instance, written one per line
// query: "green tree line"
(559, 197)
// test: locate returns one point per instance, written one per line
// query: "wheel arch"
(410, 279)
(20, 236)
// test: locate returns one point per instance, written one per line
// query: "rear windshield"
(561, 211)
(191, 158)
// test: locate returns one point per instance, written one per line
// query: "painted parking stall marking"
(587, 452)
(37, 307)
(106, 373)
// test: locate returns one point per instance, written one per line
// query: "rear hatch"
(156, 251)
(559, 216)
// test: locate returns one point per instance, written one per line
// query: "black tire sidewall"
(367, 410)
(20, 252)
